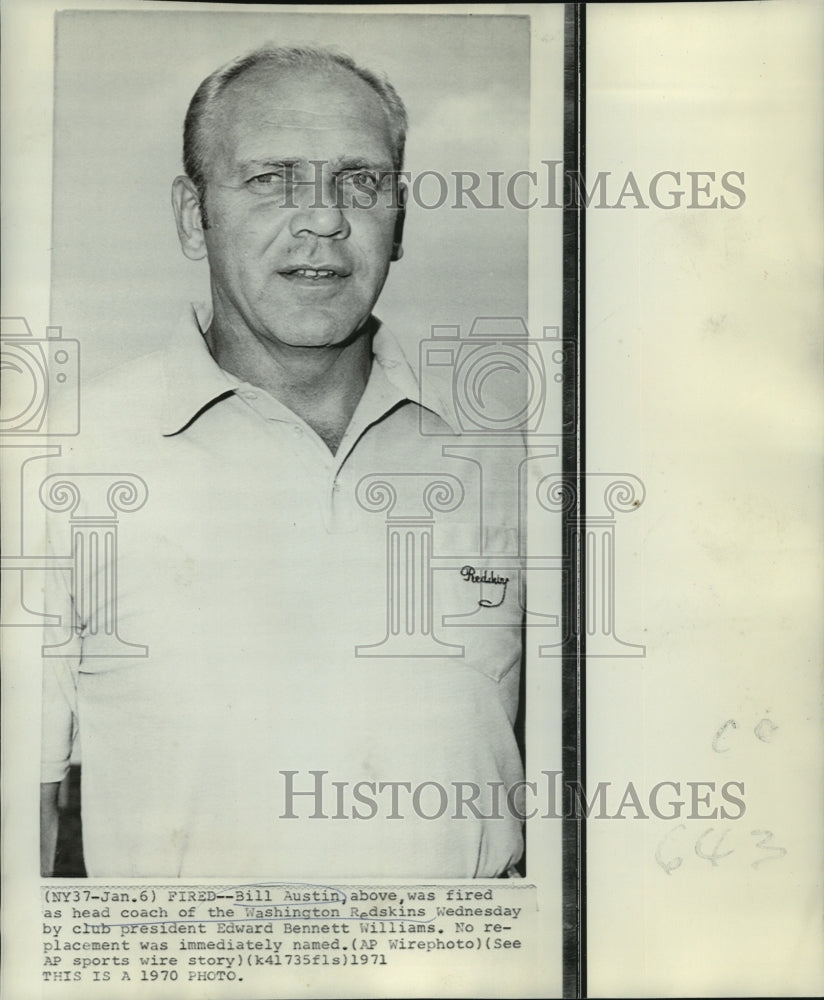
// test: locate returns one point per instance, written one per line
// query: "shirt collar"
(392, 361)
(193, 380)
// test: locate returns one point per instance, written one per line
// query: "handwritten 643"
(713, 847)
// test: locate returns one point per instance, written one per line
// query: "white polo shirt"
(332, 641)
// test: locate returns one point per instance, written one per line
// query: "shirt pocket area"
(477, 596)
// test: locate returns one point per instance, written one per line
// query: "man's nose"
(319, 211)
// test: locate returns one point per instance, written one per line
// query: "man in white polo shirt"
(332, 632)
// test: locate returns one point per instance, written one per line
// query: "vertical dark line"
(573, 677)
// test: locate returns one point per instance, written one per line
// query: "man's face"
(292, 260)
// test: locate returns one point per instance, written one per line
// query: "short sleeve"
(61, 653)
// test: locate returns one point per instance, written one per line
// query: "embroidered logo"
(486, 578)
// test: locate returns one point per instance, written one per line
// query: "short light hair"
(195, 132)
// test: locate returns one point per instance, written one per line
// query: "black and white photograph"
(310, 624)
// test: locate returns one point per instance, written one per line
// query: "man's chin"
(314, 334)
(313, 339)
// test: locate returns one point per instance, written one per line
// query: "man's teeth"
(310, 272)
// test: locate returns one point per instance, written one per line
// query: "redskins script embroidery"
(470, 574)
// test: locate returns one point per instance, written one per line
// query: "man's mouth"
(314, 273)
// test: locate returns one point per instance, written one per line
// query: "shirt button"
(250, 395)
(297, 431)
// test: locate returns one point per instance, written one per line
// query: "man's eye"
(364, 178)
(265, 181)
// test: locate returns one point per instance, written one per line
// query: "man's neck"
(322, 385)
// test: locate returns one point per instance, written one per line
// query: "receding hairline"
(276, 75)
(283, 60)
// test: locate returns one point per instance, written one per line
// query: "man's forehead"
(299, 119)
(297, 114)
(303, 98)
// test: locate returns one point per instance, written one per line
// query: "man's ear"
(400, 218)
(189, 218)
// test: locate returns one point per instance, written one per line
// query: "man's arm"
(48, 826)
(58, 703)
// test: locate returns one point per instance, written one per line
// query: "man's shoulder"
(139, 373)
(123, 405)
